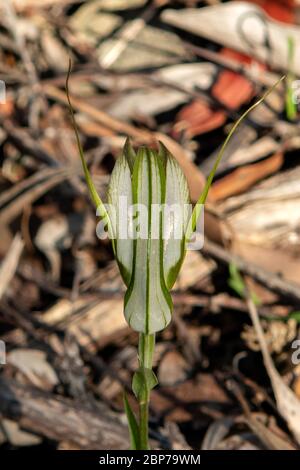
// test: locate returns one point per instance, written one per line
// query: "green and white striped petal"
(119, 198)
(176, 215)
(148, 304)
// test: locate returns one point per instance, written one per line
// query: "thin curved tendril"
(93, 192)
(197, 209)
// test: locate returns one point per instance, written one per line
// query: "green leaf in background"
(132, 424)
(236, 283)
(290, 105)
(295, 315)
(235, 280)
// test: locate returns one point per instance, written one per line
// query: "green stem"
(144, 416)
(146, 350)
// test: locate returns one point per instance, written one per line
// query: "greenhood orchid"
(148, 264)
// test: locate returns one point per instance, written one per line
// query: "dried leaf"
(90, 23)
(240, 180)
(243, 27)
(17, 436)
(189, 77)
(33, 364)
(139, 46)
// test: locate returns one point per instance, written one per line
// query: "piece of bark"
(61, 419)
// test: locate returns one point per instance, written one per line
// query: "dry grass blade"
(10, 263)
(287, 402)
(98, 115)
(14, 191)
(270, 439)
(16, 205)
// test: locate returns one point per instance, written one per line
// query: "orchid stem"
(146, 350)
